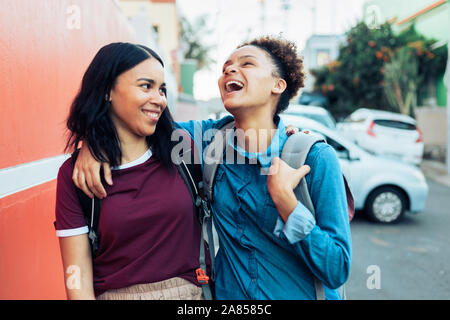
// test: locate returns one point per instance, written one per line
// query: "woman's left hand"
(281, 182)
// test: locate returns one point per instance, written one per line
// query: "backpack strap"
(191, 172)
(188, 177)
(294, 153)
(91, 210)
(213, 158)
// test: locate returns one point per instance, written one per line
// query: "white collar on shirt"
(136, 162)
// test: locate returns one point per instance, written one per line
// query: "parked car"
(313, 112)
(382, 187)
(386, 133)
(313, 98)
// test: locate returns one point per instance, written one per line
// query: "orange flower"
(386, 59)
(330, 87)
(372, 43)
(379, 55)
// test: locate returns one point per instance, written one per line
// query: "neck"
(258, 128)
(132, 147)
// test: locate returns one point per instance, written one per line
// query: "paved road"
(411, 258)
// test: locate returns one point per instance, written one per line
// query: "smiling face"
(138, 98)
(249, 80)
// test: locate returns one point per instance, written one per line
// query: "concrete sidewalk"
(435, 171)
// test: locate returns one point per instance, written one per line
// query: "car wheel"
(386, 205)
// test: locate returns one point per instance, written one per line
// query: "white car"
(385, 133)
(382, 187)
(312, 112)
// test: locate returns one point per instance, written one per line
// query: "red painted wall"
(43, 57)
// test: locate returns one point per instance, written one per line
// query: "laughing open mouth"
(233, 85)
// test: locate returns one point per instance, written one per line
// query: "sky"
(233, 21)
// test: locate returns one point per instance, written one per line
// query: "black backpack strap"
(190, 170)
(91, 210)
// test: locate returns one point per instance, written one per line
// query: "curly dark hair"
(288, 65)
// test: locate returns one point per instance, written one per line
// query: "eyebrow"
(151, 81)
(240, 58)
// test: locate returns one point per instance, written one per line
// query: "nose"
(230, 69)
(158, 99)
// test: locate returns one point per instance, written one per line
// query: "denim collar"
(274, 149)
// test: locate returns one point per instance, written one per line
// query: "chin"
(148, 131)
(231, 105)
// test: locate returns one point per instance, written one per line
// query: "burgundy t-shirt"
(148, 230)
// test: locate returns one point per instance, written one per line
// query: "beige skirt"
(171, 289)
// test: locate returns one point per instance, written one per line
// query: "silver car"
(389, 134)
(316, 113)
(382, 187)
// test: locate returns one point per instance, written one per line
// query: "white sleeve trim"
(72, 232)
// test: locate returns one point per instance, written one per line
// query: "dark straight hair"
(89, 119)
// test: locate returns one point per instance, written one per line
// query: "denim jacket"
(260, 256)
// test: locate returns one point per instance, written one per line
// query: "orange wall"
(41, 65)
(30, 266)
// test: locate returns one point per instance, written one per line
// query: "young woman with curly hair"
(271, 246)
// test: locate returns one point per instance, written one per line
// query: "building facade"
(319, 50)
(157, 23)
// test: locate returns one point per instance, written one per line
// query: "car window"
(341, 151)
(395, 124)
(316, 117)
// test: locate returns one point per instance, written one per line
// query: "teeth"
(230, 83)
(153, 115)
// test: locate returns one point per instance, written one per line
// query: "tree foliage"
(401, 79)
(357, 78)
(193, 46)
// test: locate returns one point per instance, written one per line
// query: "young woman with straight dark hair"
(149, 234)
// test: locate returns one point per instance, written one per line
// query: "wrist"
(285, 201)
(281, 195)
